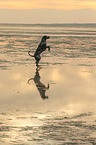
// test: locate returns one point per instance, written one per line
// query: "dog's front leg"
(48, 48)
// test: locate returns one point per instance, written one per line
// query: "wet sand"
(56, 103)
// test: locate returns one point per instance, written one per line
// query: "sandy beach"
(62, 108)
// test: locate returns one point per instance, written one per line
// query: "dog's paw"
(48, 48)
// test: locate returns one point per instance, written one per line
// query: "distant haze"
(31, 16)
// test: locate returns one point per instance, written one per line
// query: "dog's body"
(41, 47)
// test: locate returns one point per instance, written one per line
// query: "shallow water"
(61, 109)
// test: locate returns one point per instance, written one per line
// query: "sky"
(48, 11)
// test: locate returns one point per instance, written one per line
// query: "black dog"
(41, 47)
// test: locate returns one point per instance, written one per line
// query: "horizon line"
(75, 23)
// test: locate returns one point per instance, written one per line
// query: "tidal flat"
(56, 102)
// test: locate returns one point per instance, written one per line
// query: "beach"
(61, 109)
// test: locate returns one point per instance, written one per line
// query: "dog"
(41, 47)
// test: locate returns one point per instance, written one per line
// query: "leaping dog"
(41, 47)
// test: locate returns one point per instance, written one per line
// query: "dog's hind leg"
(37, 58)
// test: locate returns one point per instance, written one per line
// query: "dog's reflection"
(40, 86)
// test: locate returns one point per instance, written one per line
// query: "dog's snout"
(48, 37)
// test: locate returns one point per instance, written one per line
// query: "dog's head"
(45, 37)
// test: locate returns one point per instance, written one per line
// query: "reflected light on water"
(56, 76)
(85, 73)
(67, 85)
(16, 77)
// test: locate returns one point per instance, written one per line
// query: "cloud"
(48, 4)
(47, 16)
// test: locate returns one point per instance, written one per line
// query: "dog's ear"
(44, 37)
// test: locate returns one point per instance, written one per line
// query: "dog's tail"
(30, 54)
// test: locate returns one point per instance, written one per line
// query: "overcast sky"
(48, 11)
